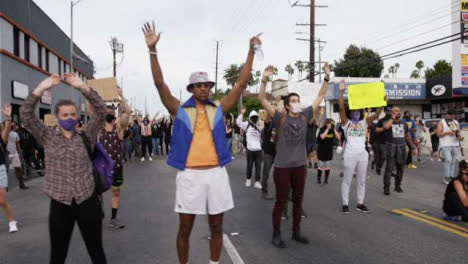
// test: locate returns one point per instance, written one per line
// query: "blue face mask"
(68, 124)
(355, 116)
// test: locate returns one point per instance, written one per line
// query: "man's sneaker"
(412, 166)
(362, 208)
(398, 189)
(300, 238)
(143, 159)
(304, 214)
(284, 215)
(258, 185)
(386, 191)
(453, 218)
(13, 226)
(266, 196)
(439, 160)
(114, 223)
(277, 241)
(345, 209)
(150, 159)
(446, 180)
(248, 183)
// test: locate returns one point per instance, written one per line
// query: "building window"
(26, 48)
(47, 60)
(59, 66)
(39, 55)
(16, 41)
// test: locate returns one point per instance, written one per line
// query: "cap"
(199, 77)
(463, 164)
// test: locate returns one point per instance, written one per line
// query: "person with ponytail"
(327, 136)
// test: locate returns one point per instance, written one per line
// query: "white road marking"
(235, 257)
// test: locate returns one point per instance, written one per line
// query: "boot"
(327, 173)
(21, 183)
(277, 241)
(319, 176)
(299, 238)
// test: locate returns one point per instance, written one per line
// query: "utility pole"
(72, 4)
(311, 40)
(216, 72)
(116, 47)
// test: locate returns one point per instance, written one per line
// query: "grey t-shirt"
(291, 144)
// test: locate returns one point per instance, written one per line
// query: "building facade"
(32, 47)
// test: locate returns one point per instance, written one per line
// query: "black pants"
(254, 157)
(167, 141)
(267, 164)
(62, 220)
(453, 206)
(395, 157)
(146, 145)
(379, 155)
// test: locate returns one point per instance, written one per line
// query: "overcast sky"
(191, 27)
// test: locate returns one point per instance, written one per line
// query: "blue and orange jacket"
(184, 126)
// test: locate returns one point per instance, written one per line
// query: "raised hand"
(74, 81)
(151, 37)
(342, 85)
(268, 72)
(326, 69)
(7, 111)
(49, 82)
(243, 110)
(255, 40)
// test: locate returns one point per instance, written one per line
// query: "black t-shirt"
(229, 134)
(325, 146)
(268, 139)
(311, 134)
(395, 135)
(434, 138)
(378, 138)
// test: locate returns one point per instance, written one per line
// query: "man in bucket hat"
(199, 149)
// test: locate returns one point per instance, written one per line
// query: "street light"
(72, 4)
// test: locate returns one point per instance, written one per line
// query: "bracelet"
(153, 53)
(326, 79)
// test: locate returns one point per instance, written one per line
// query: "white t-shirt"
(254, 140)
(449, 141)
(355, 137)
(13, 137)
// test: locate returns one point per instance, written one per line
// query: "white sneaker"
(143, 159)
(258, 185)
(432, 159)
(13, 227)
(439, 160)
(150, 159)
(248, 183)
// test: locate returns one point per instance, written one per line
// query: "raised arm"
(170, 102)
(239, 122)
(231, 99)
(323, 90)
(371, 118)
(7, 127)
(344, 118)
(325, 132)
(124, 119)
(262, 94)
(30, 121)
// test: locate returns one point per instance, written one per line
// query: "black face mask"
(254, 119)
(110, 118)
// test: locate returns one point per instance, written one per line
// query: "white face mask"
(296, 108)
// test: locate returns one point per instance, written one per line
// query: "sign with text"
(394, 90)
(366, 95)
(50, 120)
(19, 90)
(46, 98)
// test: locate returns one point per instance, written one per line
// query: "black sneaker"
(300, 238)
(362, 208)
(386, 191)
(398, 189)
(345, 210)
(378, 171)
(277, 241)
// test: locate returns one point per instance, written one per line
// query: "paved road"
(148, 196)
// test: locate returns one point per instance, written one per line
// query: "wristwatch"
(326, 79)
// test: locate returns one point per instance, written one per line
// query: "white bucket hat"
(199, 77)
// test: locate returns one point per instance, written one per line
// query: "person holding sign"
(199, 148)
(355, 155)
(290, 162)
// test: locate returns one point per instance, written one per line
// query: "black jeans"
(453, 206)
(62, 220)
(267, 163)
(379, 155)
(146, 145)
(395, 158)
(254, 157)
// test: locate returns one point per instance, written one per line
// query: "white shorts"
(3, 177)
(203, 192)
(14, 161)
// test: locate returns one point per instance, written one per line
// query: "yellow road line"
(436, 220)
(448, 229)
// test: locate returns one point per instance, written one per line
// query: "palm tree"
(391, 71)
(419, 66)
(231, 74)
(290, 70)
(300, 68)
(415, 74)
(397, 66)
(258, 75)
(275, 71)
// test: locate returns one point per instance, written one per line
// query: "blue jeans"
(229, 143)
(156, 146)
(450, 160)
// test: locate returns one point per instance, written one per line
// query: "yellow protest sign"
(464, 59)
(463, 5)
(366, 95)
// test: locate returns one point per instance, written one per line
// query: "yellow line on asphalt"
(448, 229)
(440, 221)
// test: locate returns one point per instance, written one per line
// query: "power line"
(425, 48)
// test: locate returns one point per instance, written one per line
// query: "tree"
(290, 70)
(415, 74)
(441, 68)
(396, 67)
(258, 75)
(275, 71)
(391, 71)
(300, 68)
(231, 74)
(359, 62)
(419, 65)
